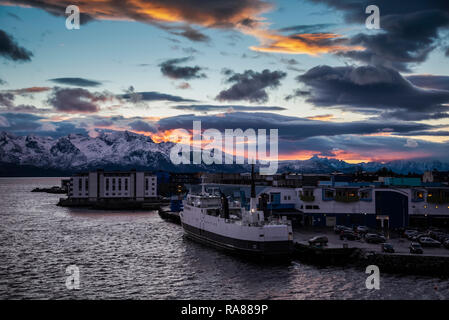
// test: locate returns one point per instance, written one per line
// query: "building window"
(126, 184)
(146, 184)
(107, 184)
(113, 184)
(87, 184)
(80, 184)
(119, 184)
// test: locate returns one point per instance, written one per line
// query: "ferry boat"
(210, 218)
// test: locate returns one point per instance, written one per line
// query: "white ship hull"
(263, 240)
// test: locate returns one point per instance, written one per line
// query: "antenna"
(253, 186)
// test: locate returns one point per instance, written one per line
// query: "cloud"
(11, 50)
(302, 43)
(4, 122)
(174, 16)
(184, 86)
(75, 100)
(411, 143)
(207, 108)
(78, 82)
(142, 126)
(308, 28)
(290, 127)
(178, 16)
(400, 43)
(373, 90)
(103, 123)
(171, 69)
(429, 81)
(20, 122)
(7, 99)
(302, 138)
(136, 97)
(29, 91)
(191, 34)
(251, 85)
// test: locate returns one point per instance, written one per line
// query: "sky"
(310, 68)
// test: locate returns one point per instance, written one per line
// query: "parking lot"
(401, 245)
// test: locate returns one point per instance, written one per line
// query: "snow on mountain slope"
(123, 149)
(78, 151)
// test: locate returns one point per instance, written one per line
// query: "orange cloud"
(306, 43)
(323, 117)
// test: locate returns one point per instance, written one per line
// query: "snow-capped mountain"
(125, 150)
(79, 151)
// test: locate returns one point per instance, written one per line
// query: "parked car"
(339, 228)
(387, 247)
(410, 233)
(416, 248)
(349, 235)
(429, 242)
(374, 238)
(362, 229)
(416, 237)
(319, 240)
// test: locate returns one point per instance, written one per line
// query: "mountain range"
(122, 150)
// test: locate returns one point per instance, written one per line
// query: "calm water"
(138, 255)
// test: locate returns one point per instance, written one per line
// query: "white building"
(131, 185)
(374, 206)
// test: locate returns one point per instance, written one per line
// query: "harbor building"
(113, 185)
(376, 204)
(113, 190)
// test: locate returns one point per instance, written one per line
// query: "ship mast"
(253, 202)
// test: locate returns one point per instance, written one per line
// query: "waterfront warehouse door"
(331, 221)
(393, 205)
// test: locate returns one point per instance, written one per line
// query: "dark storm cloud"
(251, 85)
(171, 69)
(78, 82)
(373, 90)
(290, 128)
(75, 100)
(142, 126)
(409, 31)
(207, 108)
(11, 50)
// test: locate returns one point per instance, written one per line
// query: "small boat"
(170, 216)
